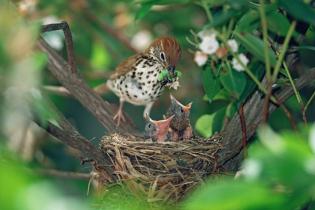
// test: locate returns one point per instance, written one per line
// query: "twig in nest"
(170, 168)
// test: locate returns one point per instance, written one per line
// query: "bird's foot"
(119, 116)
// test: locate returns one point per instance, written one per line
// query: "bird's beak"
(173, 99)
(187, 107)
(163, 125)
(162, 128)
(171, 70)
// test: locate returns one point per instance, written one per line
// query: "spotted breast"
(136, 80)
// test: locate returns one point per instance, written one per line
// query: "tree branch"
(64, 174)
(232, 135)
(71, 137)
(102, 110)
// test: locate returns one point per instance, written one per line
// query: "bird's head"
(167, 51)
(157, 129)
(179, 110)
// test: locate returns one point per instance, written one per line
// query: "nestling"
(180, 125)
(157, 130)
(136, 80)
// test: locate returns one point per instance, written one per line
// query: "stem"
(283, 51)
(309, 101)
(265, 38)
(296, 93)
(208, 12)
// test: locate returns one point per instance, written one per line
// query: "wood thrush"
(137, 79)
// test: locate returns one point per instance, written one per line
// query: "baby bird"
(157, 129)
(180, 124)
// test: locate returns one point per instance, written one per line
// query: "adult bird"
(137, 79)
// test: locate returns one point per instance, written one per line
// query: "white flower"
(238, 66)
(233, 45)
(251, 168)
(200, 58)
(209, 45)
(207, 33)
(141, 40)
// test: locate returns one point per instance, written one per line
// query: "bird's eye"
(181, 110)
(149, 125)
(162, 55)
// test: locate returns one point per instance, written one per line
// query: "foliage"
(278, 174)
(21, 189)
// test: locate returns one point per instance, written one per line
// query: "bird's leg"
(119, 115)
(147, 109)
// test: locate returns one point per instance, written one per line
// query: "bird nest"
(162, 171)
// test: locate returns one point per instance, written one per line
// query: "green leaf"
(248, 22)
(278, 23)
(255, 46)
(143, 11)
(299, 9)
(251, 19)
(163, 74)
(234, 82)
(178, 73)
(222, 17)
(211, 84)
(258, 70)
(231, 110)
(204, 125)
(100, 58)
(218, 120)
(230, 194)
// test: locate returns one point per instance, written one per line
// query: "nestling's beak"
(187, 107)
(163, 125)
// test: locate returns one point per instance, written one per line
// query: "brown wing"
(126, 66)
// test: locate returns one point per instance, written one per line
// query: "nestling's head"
(181, 114)
(167, 51)
(157, 129)
(180, 110)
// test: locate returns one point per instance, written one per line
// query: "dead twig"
(68, 39)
